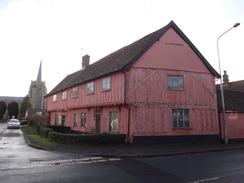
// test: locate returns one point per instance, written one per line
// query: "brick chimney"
(225, 79)
(85, 61)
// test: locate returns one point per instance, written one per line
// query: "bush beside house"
(81, 139)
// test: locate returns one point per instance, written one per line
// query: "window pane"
(55, 98)
(186, 118)
(90, 88)
(175, 119)
(180, 118)
(106, 84)
(75, 119)
(113, 121)
(175, 82)
(64, 95)
(83, 119)
(75, 92)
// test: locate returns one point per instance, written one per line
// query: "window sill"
(170, 89)
(181, 128)
(104, 90)
(90, 93)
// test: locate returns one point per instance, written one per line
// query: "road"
(23, 164)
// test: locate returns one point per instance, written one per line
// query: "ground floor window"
(75, 119)
(180, 118)
(113, 121)
(83, 120)
(60, 120)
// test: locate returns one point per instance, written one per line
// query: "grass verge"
(28, 130)
(35, 139)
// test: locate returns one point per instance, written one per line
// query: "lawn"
(35, 139)
(28, 130)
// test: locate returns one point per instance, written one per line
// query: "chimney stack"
(85, 61)
(225, 79)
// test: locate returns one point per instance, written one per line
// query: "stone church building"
(38, 90)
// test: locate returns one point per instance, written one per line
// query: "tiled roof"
(233, 97)
(123, 59)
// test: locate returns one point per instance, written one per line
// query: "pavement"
(138, 150)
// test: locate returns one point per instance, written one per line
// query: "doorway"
(97, 117)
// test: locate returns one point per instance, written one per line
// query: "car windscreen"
(13, 121)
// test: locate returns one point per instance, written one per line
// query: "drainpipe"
(128, 131)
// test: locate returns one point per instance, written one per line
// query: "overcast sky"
(59, 32)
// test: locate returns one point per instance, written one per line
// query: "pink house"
(234, 109)
(158, 89)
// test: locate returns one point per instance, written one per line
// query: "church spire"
(39, 76)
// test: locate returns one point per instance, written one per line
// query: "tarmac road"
(15, 153)
(24, 164)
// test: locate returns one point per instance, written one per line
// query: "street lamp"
(221, 86)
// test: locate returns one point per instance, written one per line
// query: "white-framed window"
(60, 120)
(106, 83)
(175, 82)
(75, 92)
(64, 95)
(83, 120)
(75, 119)
(180, 118)
(90, 88)
(113, 121)
(55, 98)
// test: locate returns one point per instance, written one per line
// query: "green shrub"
(43, 131)
(96, 139)
(61, 129)
(23, 122)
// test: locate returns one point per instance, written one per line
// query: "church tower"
(38, 90)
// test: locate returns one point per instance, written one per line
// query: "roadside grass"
(28, 130)
(35, 139)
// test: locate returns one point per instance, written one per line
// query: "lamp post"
(221, 85)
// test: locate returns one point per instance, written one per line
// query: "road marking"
(75, 161)
(58, 162)
(83, 162)
(93, 158)
(99, 161)
(205, 180)
(114, 159)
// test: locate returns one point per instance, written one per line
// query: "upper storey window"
(175, 82)
(64, 95)
(106, 83)
(55, 98)
(90, 88)
(75, 92)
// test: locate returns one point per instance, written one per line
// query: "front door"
(97, 116)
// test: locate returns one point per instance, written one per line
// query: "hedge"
(61, 129)
(43, 131)
(84, 139)
(57, 134)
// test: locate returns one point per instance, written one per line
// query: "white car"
(13, 123)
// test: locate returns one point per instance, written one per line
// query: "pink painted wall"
(235, 125)
(173, 53)
(147, 97)
(98, 98)
(147, 89)
(104, 125)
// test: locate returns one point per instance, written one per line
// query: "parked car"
(13, 123)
